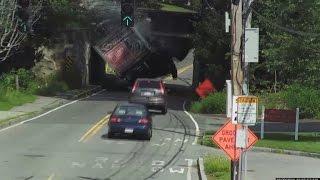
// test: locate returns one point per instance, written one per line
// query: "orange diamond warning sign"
(225, 138)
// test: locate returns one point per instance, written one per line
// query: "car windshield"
(149, 84)
(130, 111)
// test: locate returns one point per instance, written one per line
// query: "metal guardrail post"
(296, 133)
(262, 123)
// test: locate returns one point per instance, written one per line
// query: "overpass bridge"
(166, 34)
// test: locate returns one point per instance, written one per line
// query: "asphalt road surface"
(69, 144)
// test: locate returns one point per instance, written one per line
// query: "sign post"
(246, 116)
(225, 138)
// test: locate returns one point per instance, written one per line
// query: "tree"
(14, 27)
(289, 43)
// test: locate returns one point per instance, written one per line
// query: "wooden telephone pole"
(236, 66)
(236, 52)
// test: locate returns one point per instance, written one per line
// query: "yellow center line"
(92, 129)
(180, 71)
(51, 176)
(97, 129)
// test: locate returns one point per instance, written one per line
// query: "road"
(69, 143)
(57, 145)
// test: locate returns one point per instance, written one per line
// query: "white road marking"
(57, 108)
(180, 171)
(195, 123)
(189, 168)
(78, 164)
(101, 159)
(155, 169)
(157, 163)
(167, 139)
(98, 165)
(162, 144)
(115, 166)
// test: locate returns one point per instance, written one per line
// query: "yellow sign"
(247, 99)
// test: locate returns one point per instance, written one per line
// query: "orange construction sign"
(225, 138)
(205, 88)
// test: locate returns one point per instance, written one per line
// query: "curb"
(78, 95)
(87, 92)
(202, 174)
(284, 151)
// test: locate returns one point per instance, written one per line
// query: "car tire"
(110, 135)
(164, 110)
(148, 134)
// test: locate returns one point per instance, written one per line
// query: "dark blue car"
(130, 119)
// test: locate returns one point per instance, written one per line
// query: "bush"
(215, 103)
(305, 98)
(295, 96)
(217, 166)
(27, 82)
(53, 87)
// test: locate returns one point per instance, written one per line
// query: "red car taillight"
(143, 121)
(115, 119)
(161, 88)
(134, 87)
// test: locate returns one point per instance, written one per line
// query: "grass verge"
(173, 8)
(11, 99)
(217, 167)
(308, 142)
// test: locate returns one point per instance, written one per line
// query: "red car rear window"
(149, 84)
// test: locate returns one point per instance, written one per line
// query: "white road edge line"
(195, 123)
(190, 162)
(57, 108)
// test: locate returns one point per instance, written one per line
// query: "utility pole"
(236, 66)
(247, 24)
(236, 35)
(247, 21)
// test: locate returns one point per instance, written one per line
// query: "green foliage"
(306, 98)
(308, 142)
(210, 33)
(303, 97)
(11, 98)
(152, 4)
(53, 85)
(26, 81)
(217, 166)
(287, 56)
(174, 8)
(214, 103)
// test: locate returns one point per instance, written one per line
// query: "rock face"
(67, 59)
(49, 61)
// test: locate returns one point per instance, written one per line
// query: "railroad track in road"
(144, 152)
(180, 150)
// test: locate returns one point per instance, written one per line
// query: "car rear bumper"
(120, 129)
(149, 101)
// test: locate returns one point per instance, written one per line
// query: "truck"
(124, 52)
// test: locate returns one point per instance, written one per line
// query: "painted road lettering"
(179, 170)
(97, 165)
(101, 159)
(157, 169)
(78, 164)
(157, 163)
